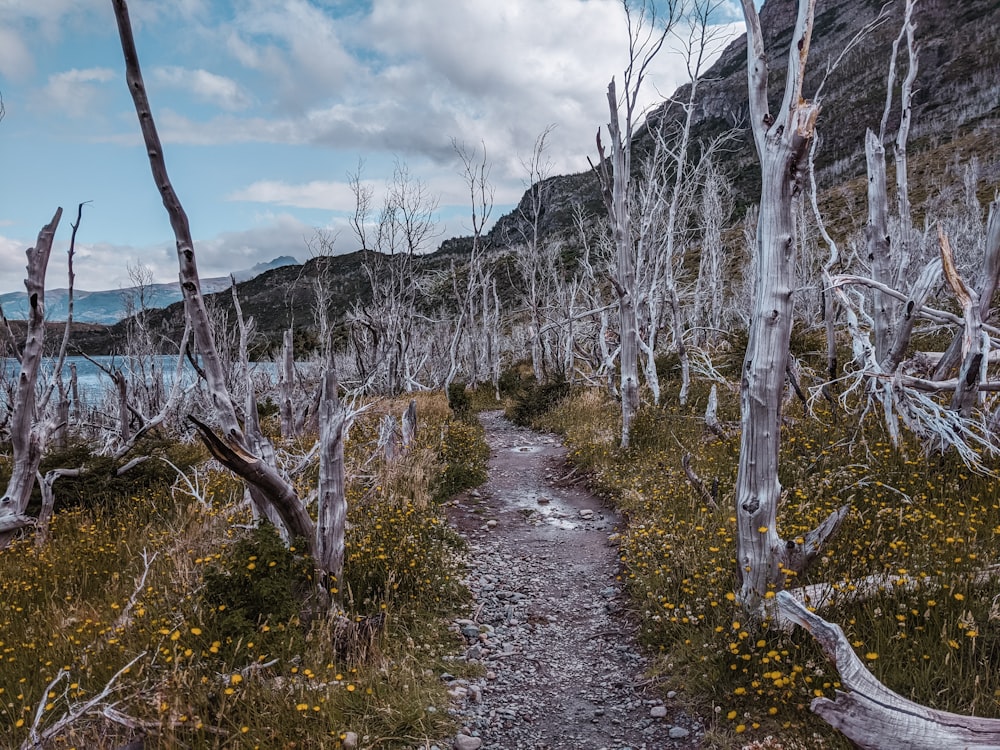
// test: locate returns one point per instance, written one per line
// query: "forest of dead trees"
(668, 276)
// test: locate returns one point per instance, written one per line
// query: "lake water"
(93, 382)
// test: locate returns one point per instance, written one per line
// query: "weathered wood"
(409, 424)
(990, 280)
(332, 511)
(232, 449)
(234, 456)
(877, 238)
(712, 412)
(695, 480)
(782, 143)
(286, 384)
(975, 341)
(871, 715)
(388, 438)
(616, 196)
(27, 442)
(924, 285)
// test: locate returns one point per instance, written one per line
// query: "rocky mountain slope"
(109, 306)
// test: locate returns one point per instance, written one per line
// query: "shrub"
(464, 455)
(533, 399)
(257, 589)
(458, 400)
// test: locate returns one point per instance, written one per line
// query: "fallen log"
(871, 715)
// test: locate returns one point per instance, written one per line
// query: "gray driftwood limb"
(871, 715)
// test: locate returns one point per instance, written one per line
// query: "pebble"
(350, 741)
(678, 733)
(465, 742)
(658, 712)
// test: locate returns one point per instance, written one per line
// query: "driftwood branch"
(696, 482)
(871, 715)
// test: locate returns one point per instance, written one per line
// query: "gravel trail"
(549, 625)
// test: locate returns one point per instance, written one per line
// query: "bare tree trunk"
(409, 424)
(628, 321)
(879, 250)
(27, 441)
(991, 277)
(332, 510)
(231, 449)
(287, 385)
(975, 341)
(45, 486)
(782, 144)
(388, 438)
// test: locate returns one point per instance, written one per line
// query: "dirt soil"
(549, 623)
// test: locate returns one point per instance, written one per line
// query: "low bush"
(459, 401)
(532, 399)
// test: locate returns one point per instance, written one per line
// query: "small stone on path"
(658, 712)
(465, 742)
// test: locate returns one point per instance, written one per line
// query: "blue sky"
(265, 106)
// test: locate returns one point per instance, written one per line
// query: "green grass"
(233, 649)
(933, 636)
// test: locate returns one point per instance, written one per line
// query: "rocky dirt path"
(562, 669)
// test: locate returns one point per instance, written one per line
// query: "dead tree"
(382, 330)
(409, 432)
(782, 141)
(478, 280)
(615, 174)
(273, 495)
(536, 258)
(27, 435)
(332, 509)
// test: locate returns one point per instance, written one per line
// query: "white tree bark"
(331, 519)
(231, 449)
(782, 143)
(27, 438)
(286, 386)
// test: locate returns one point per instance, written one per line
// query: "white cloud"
(15, 58)
(408, 77)
(322, 194)
(295, 44)
(221, 91)
(76, 92)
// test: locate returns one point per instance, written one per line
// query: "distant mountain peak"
(280, 262)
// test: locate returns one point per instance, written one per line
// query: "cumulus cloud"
(295, 44)
(15, 59)
(407, 77)
(215, 89)
(322, 194)
(76, 92)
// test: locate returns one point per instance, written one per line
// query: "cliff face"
(957, 94)
(957, 90)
